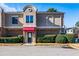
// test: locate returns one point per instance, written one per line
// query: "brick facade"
(12, 32)
(48, 31)
(0, 31)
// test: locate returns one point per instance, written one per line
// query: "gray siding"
(8, 20)
(52, 20)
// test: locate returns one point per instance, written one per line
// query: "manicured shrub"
(51, 38)
(70, 38)
(46, 39)
(11, 39)
(61, 39)
(40, 35)
(39, 40)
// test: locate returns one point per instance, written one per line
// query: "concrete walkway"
(37, 51)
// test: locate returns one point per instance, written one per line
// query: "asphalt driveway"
(37, 51)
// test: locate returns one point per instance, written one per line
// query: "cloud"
(7, 8)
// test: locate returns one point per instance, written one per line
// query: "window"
(14, 20)
(71, 30)
(51, 19)
(29, 19)
(29, 35)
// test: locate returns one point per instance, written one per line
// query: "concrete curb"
(11, 44)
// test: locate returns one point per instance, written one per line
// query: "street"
(37, 51)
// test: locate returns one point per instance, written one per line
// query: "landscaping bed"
(60, 38)
(42, 40)
(11, 39)
(75, 46)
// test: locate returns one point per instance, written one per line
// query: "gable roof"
(29, 6)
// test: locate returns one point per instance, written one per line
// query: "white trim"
(14, 16)
(13, 26)
(30, 18)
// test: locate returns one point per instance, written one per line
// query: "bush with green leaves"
(11, 39)
(40, 35)
(70, 37)
(61, 39)
(46, 39)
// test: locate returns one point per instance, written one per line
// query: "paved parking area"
(37, 51)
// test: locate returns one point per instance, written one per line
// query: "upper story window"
(71, 30)
(14, 20)
(29, 19)
(51, 19)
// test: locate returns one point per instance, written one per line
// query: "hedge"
(46, 39)
(61, 39)
(40, 35)
(70, 37)
(11, 39)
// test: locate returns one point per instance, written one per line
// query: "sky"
(71, 10)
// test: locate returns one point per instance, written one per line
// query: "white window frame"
(14, 16)
(29, 18)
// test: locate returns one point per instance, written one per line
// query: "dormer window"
(29, 19)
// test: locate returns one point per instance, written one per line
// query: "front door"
(29, 35)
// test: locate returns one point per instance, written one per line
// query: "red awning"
(29, 29)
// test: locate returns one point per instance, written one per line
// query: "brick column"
(34, 38)
(78, 35)
(25, 36)
(77, 32)
(1, 31)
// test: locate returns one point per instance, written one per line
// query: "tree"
(52, 10)
(77, 24)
